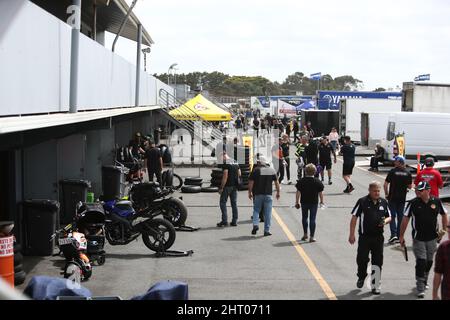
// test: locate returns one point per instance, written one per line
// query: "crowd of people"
(314, 156)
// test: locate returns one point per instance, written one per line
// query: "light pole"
(172, 66)
(145, 51)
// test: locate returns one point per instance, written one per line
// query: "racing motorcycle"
(124, 224)
(149, 197)
(73, 245)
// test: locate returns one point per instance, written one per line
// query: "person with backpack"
(228, 189)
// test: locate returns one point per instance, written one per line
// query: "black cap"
(423, 185)
(429, 162)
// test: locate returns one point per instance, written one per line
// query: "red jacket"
(433, 177)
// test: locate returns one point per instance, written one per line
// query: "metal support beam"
(123, 24)
(94, 22)
(75, 21)
(138, 64)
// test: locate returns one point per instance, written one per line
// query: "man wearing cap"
(260, 191)
(432, 176)
(442, 270)
(373, 214)
(424, 211)
(397, 184)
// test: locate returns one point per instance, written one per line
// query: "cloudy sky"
(383, 43)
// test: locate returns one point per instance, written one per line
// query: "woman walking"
(333, 137)
(309, 190)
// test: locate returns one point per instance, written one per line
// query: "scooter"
(73, 245)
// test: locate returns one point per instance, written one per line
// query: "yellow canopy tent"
(200, 108)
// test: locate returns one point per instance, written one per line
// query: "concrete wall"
(35, 66)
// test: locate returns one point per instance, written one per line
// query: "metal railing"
(188, 119)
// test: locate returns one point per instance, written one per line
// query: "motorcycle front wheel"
(175, 212)
(159, 235)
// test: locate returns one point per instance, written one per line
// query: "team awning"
(200, 108)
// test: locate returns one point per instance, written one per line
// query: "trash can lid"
(112, 168)
(85, 183)
(43, 203)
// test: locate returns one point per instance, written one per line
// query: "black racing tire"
(216, 181)
(160, 235)
(216, 170)
(194, 183)
(19, 278)
(210, 189)
(18, 268)
(18, 258)
(101, 260)
(197, 179)
(178, 181)
(215, 184)
(216, 176)
(17, 248)
(175, 211)
(191, 189)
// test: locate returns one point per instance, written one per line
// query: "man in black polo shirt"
(228, 188)
(373, 213)
(399, 181)
(424, 211)
(325, 152)
(348, 153)
(153, 162)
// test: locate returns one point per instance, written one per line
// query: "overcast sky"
(382, 43)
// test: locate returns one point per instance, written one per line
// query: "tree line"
(221, 84)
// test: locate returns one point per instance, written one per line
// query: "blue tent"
(309, 104)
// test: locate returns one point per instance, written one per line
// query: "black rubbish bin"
(113, 182)
(39, 218)
(73, 191)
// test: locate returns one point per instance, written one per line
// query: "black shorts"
(347, 169)
(326, 165)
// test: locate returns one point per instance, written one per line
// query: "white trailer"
(426, 97)
(351, 109)
(424, 132)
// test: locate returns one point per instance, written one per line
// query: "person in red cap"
(432, 176)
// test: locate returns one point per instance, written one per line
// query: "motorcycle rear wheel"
(159, 236)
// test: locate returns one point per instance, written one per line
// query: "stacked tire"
(192, 185)
(242, 156)
(19, 273)
(216, 177)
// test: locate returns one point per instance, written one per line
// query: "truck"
(321, 120)
(351, 109)
(426, 97)
(423, 132)
(373, 127)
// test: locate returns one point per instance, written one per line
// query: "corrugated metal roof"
(110, 14)
(23, 123)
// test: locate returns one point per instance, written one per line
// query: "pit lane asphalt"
(230, 263)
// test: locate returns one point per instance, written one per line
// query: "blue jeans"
(334, 144)
(311, 211)
(232, 193)
(258, 202)
(397, 208)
